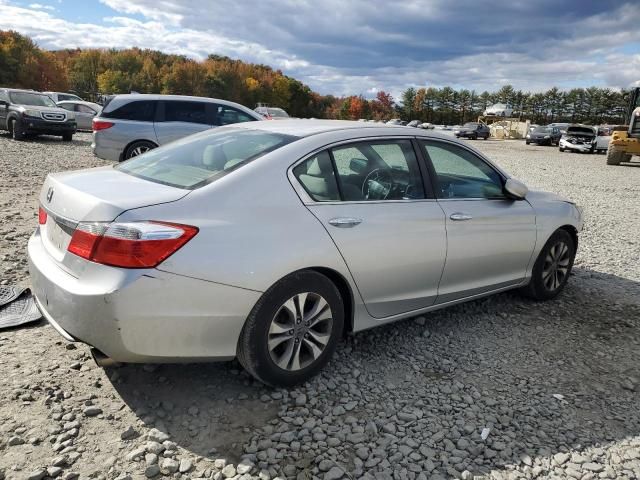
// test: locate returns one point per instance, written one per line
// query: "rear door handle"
(459, 216)
(345, 222)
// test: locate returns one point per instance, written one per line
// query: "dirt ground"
(555, 383)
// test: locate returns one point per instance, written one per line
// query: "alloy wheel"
(556, 266)
(139, 150)
(300, 331)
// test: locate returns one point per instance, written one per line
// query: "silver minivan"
(130, 125)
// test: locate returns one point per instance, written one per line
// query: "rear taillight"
(129, 245)
(42, 216)
(98, 125)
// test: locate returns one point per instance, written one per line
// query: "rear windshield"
(200, 159)
(35, 99)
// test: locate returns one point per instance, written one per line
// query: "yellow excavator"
(625, 139)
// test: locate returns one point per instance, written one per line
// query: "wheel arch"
(346, 293)
(126, 147)
(571, 230)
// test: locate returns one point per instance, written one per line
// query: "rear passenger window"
(226, 115)
(190, 112)
(317, 177)
(141, 110)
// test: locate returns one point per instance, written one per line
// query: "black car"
(473, 130)
(25, 112)
(544, 136)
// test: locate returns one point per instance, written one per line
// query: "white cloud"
(39, 6)
(363, 46)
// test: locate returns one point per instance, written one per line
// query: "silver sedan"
(85, 111)
(269, 241)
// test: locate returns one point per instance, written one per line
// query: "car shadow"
(543, 377)
(52, 139)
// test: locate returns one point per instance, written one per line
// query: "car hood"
(580, 131)
(541, 196)
(43, 109)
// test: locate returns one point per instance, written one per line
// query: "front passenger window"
(461, 174)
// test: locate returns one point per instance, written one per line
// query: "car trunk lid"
(93, 195)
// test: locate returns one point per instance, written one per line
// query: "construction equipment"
(625, 139)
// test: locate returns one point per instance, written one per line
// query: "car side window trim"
(433, 174)
(306, 198)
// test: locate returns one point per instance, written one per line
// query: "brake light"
(98, 125)
(129, 245)
(42, 216)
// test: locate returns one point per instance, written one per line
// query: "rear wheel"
(15, 129)
(293, 330)
(552, 268)
(138, 148)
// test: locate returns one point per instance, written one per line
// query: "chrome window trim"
(306, 198)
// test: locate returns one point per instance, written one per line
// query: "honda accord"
(269, 241)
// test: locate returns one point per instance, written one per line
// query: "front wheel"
(293, 330)
(614, 157)
(67, 137)
(561, 149)
(552, 268)
(15, 129)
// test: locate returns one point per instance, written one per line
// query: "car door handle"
(459, 216)
(345, 222)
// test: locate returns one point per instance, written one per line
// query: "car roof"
(305, 128)
(81, 102)
(158, 96)
(22, 90)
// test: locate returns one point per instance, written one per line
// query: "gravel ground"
(497, 388)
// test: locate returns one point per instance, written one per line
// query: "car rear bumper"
(104, 148)
(139, 315)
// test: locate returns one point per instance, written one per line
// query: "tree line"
(91, 72)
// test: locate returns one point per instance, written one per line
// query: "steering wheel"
(377, 184)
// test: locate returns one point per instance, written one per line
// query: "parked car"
(603, 137)
(84, 112)
(427, 126)
(130, 125)
(186, 253)
(394, 121)
(272, 113)
(499, 109)
(60, 96)
(414, 123)
(472, 130)
(544, 136)
(562, 126)
(26, 112)
(579, 138)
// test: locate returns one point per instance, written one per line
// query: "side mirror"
(515, 189)
(4, 103)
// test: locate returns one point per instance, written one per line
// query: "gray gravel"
(498, 388)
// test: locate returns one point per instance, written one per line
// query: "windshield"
(200, 159)
(542, 130)
(470, 125)
(277, 112)
(35, 99)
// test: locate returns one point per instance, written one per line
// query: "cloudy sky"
(361, 46)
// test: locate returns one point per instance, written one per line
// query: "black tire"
(67, 137)
(253, 348)
(538, 287)
(615, 157)
(561, 149)
(15, 129)
(527, 142)
(138, 148)
(474, 137)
